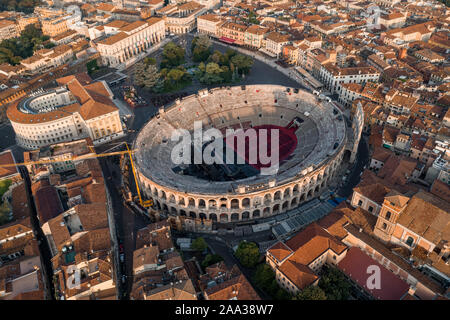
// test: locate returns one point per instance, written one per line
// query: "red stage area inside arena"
(287, 142)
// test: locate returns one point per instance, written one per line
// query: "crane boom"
(91, 155)
(77, 158)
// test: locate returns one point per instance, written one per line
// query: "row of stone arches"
(243, 203)
(245, 215)
(251, 207)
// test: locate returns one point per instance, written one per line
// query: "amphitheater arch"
(201, 203)
(285, 206)
(276, 209)
(234, 217)
(192, 214)
(266, 212)
(172, 198)
(294, 202)
(277, 195)
(191, 202)
(223, 217)
(287, 193)
(234, 203)
(173, 210)
(256, 214)
(245, 215)
(213, 216)
(163, 195)
(267, 198)
(182, 213)
(158, 204)
(246, 203)
(202, 216)
(296, 190)
(165, 208)
(181, 201)
(212, 203)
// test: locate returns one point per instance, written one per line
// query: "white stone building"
(79, 108)
(130, 40)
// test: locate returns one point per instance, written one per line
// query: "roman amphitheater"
(316, 138)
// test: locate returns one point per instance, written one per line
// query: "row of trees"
(171, 76)
(13, 50)
(26, 6)
(216, 67)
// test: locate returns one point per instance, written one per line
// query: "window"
(359, 202)
(384, 226)
(370, 209)
(388, 215)
(410, 241)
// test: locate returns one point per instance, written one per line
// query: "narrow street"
(44, 249)
(126, 224)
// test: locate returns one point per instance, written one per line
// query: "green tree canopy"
(334, 284)
(173, 55)
(248, 254)
(311, 293)
(13, 50)
(146, 75)
(242, 62)
(199, 244)
(211, 259)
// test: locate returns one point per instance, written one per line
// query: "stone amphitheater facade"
(315, 162)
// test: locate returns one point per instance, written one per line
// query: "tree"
(173, 55)
(334, 284)
(264, 276)
(4, 213)
(199, 244)
(149, 61)
(211, 259)
(247, 253)
(243, 63)
(311, 293)
(146, 75)
(217, 57)
(14, 50)
(202, 41)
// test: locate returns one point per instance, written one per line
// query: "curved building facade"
(79, 108)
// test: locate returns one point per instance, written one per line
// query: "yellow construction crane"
(146, 203)
(93, 155)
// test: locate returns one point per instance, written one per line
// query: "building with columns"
(130, 40)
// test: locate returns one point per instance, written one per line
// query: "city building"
(130, 40)
(78, 108)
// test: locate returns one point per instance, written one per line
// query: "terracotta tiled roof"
(91, 103)
(235, 288)
(280, 251)
(6, 157)
(298, 274)
(427, 216)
